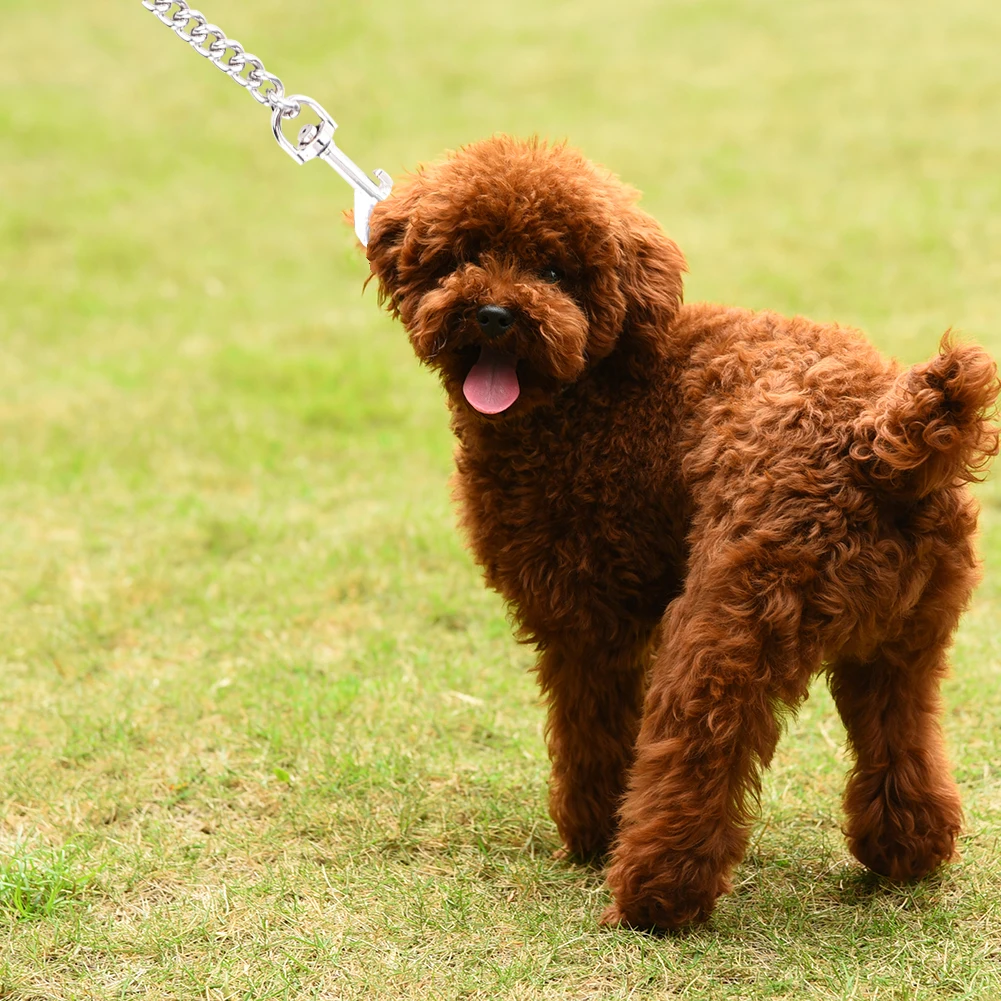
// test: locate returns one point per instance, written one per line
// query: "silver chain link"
(193, 27)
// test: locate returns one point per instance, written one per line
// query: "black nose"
(494, 320)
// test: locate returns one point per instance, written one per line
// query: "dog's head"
(516, 267)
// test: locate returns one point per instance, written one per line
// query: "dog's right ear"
(387, 235)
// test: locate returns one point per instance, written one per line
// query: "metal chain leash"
(193, 27)
(314, 142)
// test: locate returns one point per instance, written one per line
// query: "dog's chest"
(576, 529)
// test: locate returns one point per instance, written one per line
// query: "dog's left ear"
(650, 276)
(386, 242)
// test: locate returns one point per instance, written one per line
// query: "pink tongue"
(492, 383)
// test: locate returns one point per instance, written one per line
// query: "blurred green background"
(262, 731)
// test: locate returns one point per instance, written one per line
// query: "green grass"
(262, 732)
(38, 882)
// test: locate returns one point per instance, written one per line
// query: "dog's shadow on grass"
(863, 888)
(833, 898)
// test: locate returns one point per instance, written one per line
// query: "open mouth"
(492, 383)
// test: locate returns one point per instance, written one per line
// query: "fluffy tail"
(932, 428)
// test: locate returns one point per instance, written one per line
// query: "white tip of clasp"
(364, 203)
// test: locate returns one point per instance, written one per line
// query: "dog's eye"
(444, 268)
(551, 275)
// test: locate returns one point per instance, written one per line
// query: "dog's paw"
(575, 857)
(901, 856)
(658, 914)
(584, 836)
(905, 840)
(655, 919)
(663, 899)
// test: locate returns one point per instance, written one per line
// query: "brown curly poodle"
(692, 510)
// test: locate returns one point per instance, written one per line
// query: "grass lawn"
(263, 734)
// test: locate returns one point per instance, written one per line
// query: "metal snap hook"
(317, 142)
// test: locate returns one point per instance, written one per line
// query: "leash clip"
(317, 142)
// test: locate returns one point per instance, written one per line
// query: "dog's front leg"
(727, 658)
(594, 698)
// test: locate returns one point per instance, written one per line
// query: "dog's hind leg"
(902, 805)
(735, 650)
(594, 698)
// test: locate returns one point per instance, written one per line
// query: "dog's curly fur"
(692, 510)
